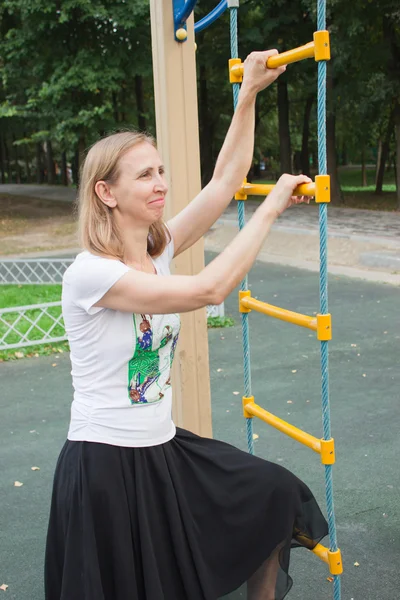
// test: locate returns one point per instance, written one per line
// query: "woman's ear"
(105, 194)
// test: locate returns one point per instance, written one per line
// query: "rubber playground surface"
(365, 392)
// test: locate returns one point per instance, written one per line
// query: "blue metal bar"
(182, 11)
(211, 17)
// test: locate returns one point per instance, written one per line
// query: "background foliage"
(73, 70)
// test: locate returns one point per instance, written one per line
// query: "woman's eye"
(161, 171)
(146, 174)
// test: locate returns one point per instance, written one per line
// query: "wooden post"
(175, 89)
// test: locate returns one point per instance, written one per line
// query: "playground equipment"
(319, 49)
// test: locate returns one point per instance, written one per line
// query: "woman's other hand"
(282, 196)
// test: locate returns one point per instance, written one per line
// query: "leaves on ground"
(18, 484)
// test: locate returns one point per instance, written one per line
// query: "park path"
(342, 221)
(362, 243)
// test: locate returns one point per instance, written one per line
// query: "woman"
(140, 510)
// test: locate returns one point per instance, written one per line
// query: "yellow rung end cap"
(322, 189)
(235, 77)
(247, 400)
(328, 452)
(241, 194)
(244, 294)
(335, 562)
(322, 47)
(324, 327)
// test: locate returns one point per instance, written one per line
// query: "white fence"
(33, 270)
(23, 326)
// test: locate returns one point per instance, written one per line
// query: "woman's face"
(139, 193)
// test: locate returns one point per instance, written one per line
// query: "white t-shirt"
(121, 362)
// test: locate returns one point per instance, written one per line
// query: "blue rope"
(242, 222)
(323, 286)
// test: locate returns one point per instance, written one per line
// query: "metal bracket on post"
(182, 11)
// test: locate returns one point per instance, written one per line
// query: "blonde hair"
(98, 231)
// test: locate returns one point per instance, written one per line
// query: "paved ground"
(365, 381)
(47, 192)
(362, 243)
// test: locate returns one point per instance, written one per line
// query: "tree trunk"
(206, 130)
(364, 182)
(378, 159)
(140, 103)
(336, 192)
(78, 159)
(16, 161)
(384, 154)
(305, 153)
(51, 171)
(285, 151)
(115, 107)
(2, 165)
(39, 168)
(64, 174)
(7, 161)
(344, 154)
(26, 160)
(75, 167)
(397, 128)
(314, 156)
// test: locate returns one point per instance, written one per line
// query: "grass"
(26, 295)
(351, 180)
(214, 322)
(23, 295)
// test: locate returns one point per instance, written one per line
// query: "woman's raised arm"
(233, 162)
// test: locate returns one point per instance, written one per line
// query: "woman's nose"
(161, 184)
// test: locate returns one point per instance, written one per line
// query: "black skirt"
(192, 519)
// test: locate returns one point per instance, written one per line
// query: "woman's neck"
(135, 250)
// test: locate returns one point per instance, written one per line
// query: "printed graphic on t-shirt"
(150, 367)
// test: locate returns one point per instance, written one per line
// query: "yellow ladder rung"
(279, 313)
(322, 324)
(319, 49)
(263, 189)
(325, 448)
(320, 189)
(332, 559)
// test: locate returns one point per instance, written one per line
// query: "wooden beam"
(175, 90)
